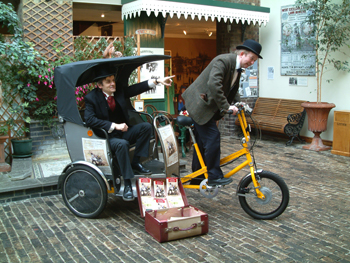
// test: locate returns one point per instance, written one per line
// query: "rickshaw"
(93, 173)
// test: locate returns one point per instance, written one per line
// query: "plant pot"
(317, 114)
(4, 167)
(21, 148)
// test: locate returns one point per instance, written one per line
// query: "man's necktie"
(111, 102)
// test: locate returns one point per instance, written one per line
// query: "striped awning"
(198, 9)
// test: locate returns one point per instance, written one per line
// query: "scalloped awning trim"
(200, 11)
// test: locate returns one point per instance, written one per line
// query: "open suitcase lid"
(160, 193)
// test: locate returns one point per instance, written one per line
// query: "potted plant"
(330, 25)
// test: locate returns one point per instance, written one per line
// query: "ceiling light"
(102, 15)
(210, 33)
(185, 33)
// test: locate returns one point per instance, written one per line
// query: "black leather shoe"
(221, 181)
(128, 195)
(138, 168)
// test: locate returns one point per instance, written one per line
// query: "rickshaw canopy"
(69, 76)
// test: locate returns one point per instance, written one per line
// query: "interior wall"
(189, 58)
(337, 91)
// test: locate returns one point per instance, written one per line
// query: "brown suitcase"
(168, 216)
(175, 223)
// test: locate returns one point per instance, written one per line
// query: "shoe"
(128, 195)
(221, 181)
(138, 168)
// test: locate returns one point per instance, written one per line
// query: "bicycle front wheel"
(275, 191)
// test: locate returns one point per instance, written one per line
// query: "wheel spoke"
(73, 198)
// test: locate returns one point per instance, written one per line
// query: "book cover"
(159, 190)
(145, 185)
(172, 186)
(175, 201)
(148, 204)
(161, 203)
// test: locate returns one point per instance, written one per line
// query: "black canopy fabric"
(72, 75)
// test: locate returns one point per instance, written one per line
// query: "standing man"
(107, 108)
(210, 96)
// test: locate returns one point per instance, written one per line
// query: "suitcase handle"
(176, 228)
(185, 229)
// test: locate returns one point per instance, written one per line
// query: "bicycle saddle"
(184, 121)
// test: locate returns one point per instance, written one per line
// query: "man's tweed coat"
(211, 92)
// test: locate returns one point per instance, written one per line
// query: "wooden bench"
(278, 115)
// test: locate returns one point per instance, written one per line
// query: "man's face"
(108, 85)
(247, 59)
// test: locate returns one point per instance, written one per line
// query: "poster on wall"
(152, 70)
(297, 49)
(248, 84)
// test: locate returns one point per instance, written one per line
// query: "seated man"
(107, 108)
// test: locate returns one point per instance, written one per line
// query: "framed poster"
(95, 151)
(297, 49)
(138, 105)
(152, 70)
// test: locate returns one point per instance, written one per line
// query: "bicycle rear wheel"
(276, 196)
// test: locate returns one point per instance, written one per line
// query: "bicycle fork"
(244, 125)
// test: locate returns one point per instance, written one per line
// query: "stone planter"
(317, 114)
(4, 167)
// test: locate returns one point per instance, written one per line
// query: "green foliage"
(331, 27)
(9, 18)
(20, 65)
(16, 110)
(129, 50)
(3, 130)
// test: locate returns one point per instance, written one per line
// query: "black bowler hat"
(103, 72)
(252, 46)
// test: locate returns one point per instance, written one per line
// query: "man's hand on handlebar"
(243, 106)
(234, 109)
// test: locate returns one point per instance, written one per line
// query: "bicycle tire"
(276, 196)
(84, 192)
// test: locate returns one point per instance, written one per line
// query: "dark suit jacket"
(96, 107)
(215, 83)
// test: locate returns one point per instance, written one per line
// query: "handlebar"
(240, 105)
(243, 106)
